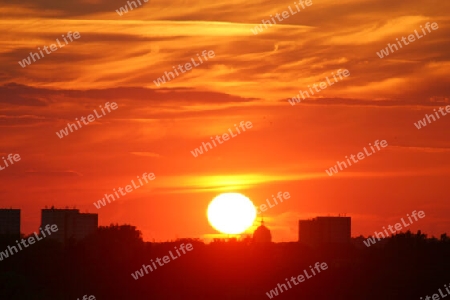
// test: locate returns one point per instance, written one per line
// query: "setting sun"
(231, 213)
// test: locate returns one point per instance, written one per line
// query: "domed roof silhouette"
(262, 234)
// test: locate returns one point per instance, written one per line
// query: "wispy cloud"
(146, 154)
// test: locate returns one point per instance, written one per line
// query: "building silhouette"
(71, 223)
(10, 222)
(262, 234)
(325, 230)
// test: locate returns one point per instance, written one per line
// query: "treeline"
(404, 266)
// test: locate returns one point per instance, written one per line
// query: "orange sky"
(249, 79)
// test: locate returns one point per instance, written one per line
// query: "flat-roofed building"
(10, 222)
(325, 230)
(71, 223)
(86, 224)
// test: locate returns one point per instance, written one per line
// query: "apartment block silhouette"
(71, 223)
(10, 222)
(325, 230)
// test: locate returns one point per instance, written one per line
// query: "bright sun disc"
(231, 213)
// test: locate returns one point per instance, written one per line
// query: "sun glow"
(231, 213)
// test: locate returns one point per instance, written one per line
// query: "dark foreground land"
(406, 266)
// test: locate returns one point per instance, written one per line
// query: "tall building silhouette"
(324, 230)
(71, 223)
(10, 222)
